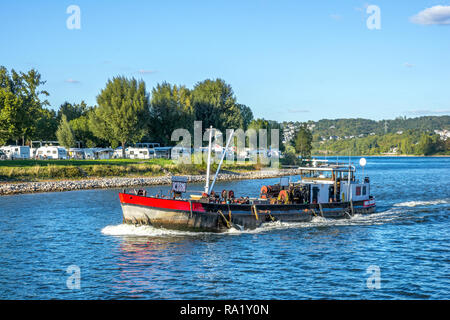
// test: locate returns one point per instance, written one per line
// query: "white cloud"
(297, 111)
(434, 15)
(336, 17)
(72, 81)
(142, 71)
(363, 8)
(408, 65)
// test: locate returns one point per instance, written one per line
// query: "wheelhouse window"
(358, 190)
(364, 190)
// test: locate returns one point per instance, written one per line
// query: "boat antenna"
(362, 163)
(221, 160)
(208, 166)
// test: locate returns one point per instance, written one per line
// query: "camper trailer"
(102, 153)
(76, 153)
(51, 152)
(162, 152)
(139, 153)
(134, 153)
(16, 152)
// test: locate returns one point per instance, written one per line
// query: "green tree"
(303, 142)
(64, 134)
(215, 104)
(10, 116)
(170, 109)
(123, 112)
(290, 158)
(20, 103)
(46, 125)
(261, 123)
(72, 111)
(246, 114)
(82, 132)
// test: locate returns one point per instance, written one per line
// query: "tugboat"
(325, 189)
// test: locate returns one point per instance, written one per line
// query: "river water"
(72, 245)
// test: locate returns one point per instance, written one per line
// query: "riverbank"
(46, 170)
(384, 155)
(11, 188)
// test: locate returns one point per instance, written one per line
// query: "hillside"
(422, 135)
(358, 126)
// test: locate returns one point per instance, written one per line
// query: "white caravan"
(134, 153)
(51, 152)
(16, 152)
(139, 153)
(102, 153)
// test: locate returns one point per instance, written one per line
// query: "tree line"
(358, 126)
(125, 113)
(409, 142)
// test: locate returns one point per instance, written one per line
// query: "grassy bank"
(36, 170)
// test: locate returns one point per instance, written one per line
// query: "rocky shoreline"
(10, 188)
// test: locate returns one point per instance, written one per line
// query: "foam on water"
(150, 231)
(143, 231)
(421, 203)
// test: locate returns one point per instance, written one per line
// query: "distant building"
(444, 134)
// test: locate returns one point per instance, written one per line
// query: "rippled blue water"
(41, 235)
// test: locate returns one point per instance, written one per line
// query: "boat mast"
(221, 161)
(348, 185)
(209, 161)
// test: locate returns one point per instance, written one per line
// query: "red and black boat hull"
(194, 215)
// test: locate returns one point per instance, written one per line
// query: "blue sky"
(287, 60)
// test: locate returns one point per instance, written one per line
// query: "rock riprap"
(8, 188)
